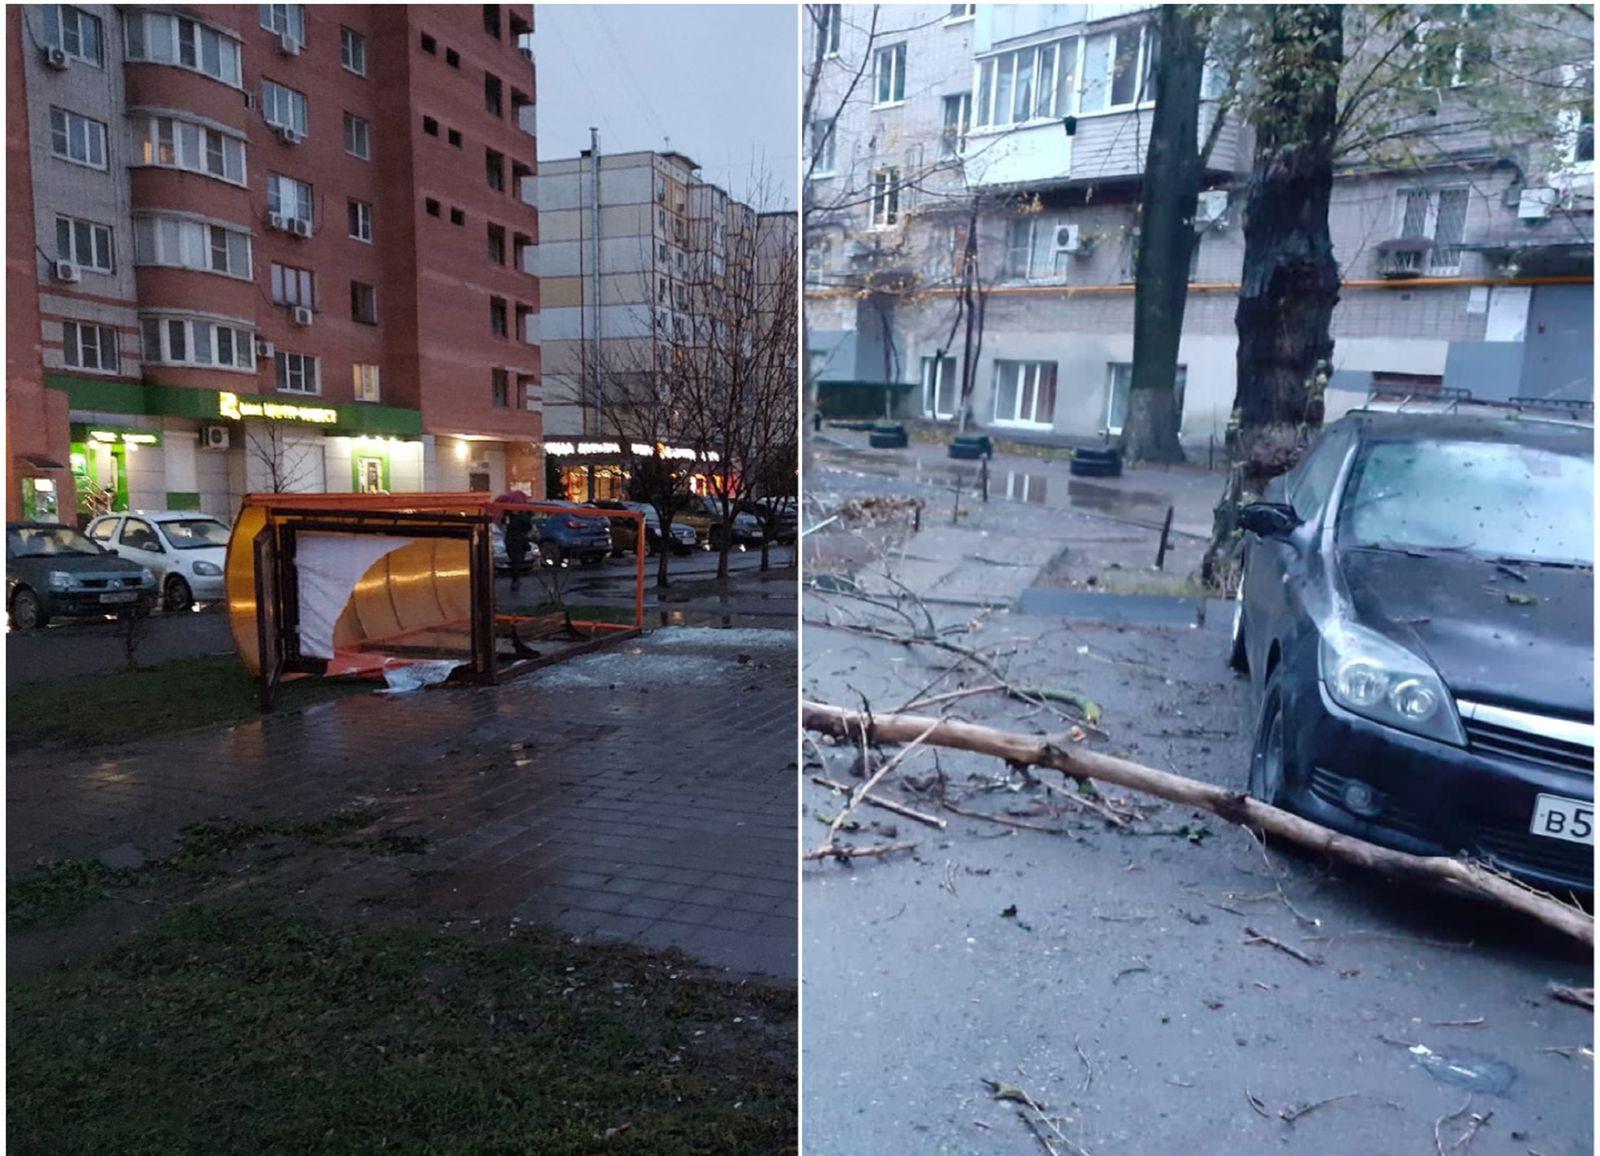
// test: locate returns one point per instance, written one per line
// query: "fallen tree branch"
(831, 851)
(1455, 875)
(886, 804)
(1254, 936)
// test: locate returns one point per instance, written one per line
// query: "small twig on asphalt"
(1088, 1068)
(1472, 1023)
(841, 853)
(866, 761)
(1253, 936)
(887, 918)
(949, 696)
(1177, 1083)
(1001, 819)
(1129, 971)
(1569, 1050)
(1292, 1113)
(1438, 1125)
(880, 801)
(1443, 944)
(1259, 1108)
(1474, 1122)
(1578, 996)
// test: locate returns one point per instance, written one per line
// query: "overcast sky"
(719, 81)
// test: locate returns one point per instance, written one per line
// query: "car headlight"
(147, 576)
(207, 569)
(1378, 679)
(59, 580)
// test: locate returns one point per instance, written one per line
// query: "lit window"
(365, 382)
(181, 144)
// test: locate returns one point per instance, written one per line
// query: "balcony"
(1406, 257)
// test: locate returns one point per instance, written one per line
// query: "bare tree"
(287, 464)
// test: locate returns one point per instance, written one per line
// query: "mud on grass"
(234, 1029)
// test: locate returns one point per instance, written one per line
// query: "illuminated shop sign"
(128, 437)
(231, 405)
(640, 450)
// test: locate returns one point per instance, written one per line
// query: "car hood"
(78, 564)
(1454, 611)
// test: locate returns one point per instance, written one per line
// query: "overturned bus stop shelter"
(361, 584)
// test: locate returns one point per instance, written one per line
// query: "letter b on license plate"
(1556, 817)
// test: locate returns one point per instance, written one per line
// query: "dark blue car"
(584, 536)
(1416, 615)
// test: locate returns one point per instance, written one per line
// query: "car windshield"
(1490, 499)
(195, 533)
(47, 542)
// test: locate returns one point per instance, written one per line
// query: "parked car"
(783, 516)
(1416, 616)
(187, 551)
(684, 538)
(704, 513)
(57, 572)
(502, 558)
(585, 537)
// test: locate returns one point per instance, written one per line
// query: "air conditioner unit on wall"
(288, 45)
(301, 315)
(300, 227)
(56, 58)
(66, 271)
(214, 437)
(1210, 208)
(276, 221)
(264, 349)
(1068, 239)
(287, 134)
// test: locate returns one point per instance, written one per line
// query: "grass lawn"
(222, 1029)
(116, 706)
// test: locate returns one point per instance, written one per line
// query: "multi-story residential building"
(622, 287)
(1030, 123)
(275, 247)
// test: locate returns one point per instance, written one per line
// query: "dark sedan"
(55, 572)
(1416, 615)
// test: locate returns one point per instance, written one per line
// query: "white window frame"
(285, 19)
(363, 211)
(1116, 369)
(1435, 267)
(364, 382)
(198, 333)
(308, 371)
(884, 203)
(951, 146)
(1141, 70)
(182, 137)
(1030, 376)
(91, 135)
(824, 149)
(105, 342)
(352, 51)
(302, 195)
(167, 38)
(284, 107)
(832, 23)
(1064, 58)
(56, 17)
(1013, 227)
(183, 242)
(362, 130)
(293, 285)
(897, 55)
(960, 14)
(934, 370)
(76, 228)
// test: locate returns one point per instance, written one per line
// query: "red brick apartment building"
(268, 247)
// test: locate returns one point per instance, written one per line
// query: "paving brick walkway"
(645, 793)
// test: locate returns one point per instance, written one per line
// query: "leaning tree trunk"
(1290, 281)
(1173, 168)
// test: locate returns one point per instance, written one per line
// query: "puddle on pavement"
(1470, 1070)
(1142, 506)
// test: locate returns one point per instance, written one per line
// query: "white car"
(186, 550)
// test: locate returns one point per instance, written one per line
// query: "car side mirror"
(1269, 519)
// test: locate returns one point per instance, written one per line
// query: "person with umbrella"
(518, 525)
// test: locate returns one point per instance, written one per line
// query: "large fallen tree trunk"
(1456, 875)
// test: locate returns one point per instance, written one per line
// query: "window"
(823, 146)
(522, 251)
(429, 45)
(491, 20)
(1119, 383)
(1117, 68)
(77, 138)
(497, 244)
(353, 51)
(885, 197)
(1439, 215)
(166, 38)
(961, 12)
(359, 220)
(73, 31)
(292, 286)
(286, 20)
(452, 58)
(458, 217)
(831, 19)
(497, 316)
(1019, 248)
(357, 137)
(525, 325)
(185, 243)
(363, 303)
(941, 389)
(491, 94)
(1456, 46)
(494, 167)
(1014, 87)
(137, 534)
(180, 144)
(890, 80)
(499, 388)
(454, 137)
(1024, 392)
(432, 206)
(85, 346)
(101, 531)
(430, 126)
(283, 107)
(197, 341)
(297, 373)
(84, 243)
(289, 198)
(364, 380)
(957, 120)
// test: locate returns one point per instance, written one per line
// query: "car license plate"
(1558, 818)
(125, 596)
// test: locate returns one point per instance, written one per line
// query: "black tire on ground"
(176, 596)
(27, 612)
(1267, 753)
(965, 451)
(887, 441)
(1095, 469)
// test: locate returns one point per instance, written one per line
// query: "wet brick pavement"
(644, 794)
